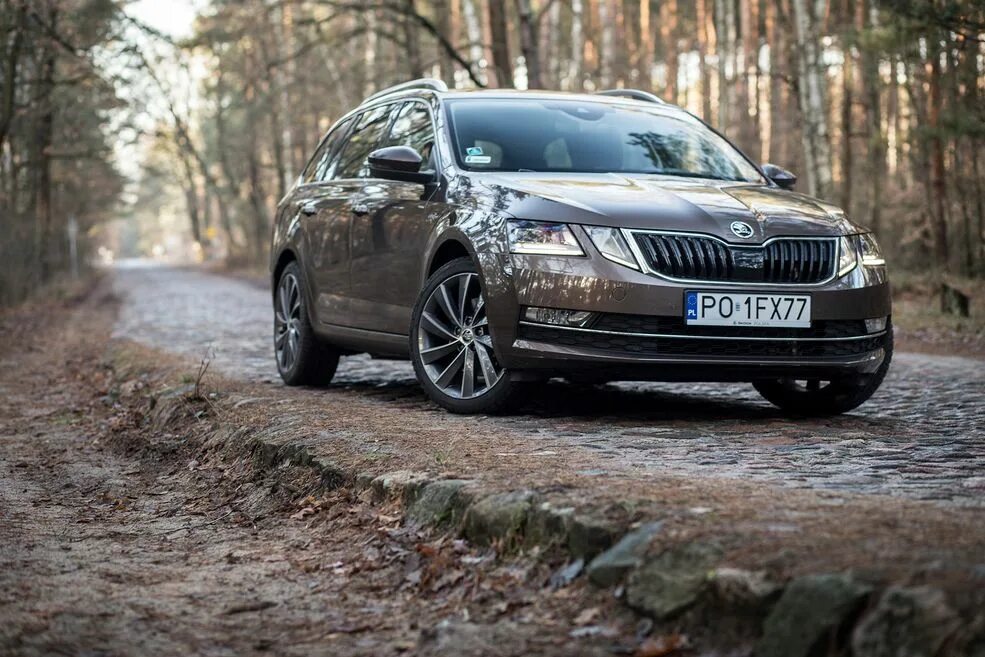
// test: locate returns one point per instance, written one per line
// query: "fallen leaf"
(587, 616)
(566, 574)
(304, 513)
(661, 646)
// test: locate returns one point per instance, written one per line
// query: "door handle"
(360, 208)
(309, 209)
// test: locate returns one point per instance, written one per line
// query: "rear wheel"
(818, 398)
(302, 359)
(451, 346)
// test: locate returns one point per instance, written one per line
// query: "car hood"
(662, 202)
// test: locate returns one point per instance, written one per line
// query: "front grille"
(629, 345)
(695, 257)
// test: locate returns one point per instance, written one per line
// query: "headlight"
(848, 258)
(540, 237)
(612, 245)
(870, 251)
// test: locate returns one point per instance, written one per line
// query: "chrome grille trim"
(681, 336)
(708, 255)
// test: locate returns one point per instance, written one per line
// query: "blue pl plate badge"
(692, 306)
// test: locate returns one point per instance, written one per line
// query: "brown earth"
(125, 541)
(118, 542)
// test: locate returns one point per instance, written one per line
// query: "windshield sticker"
(478, 159)
(473, 150)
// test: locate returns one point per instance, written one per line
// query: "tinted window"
(580, 136)
(321, 162)
(412, 127)
(362, 141)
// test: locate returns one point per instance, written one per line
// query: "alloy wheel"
(453, 339)
(287, 322)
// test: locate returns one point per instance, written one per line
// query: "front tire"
(813, 398)
(451, 347)
(302, 358)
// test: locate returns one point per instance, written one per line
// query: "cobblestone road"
(922, 436)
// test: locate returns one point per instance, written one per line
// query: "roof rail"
(423, 83)
(635, 94)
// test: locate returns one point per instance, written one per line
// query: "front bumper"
(640, 334)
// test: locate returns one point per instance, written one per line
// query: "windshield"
(584, 137)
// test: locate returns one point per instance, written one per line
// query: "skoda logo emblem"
(741, 229)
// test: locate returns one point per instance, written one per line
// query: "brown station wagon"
(498, 238)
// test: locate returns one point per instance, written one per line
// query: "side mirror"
(783, 178)
(401, 163)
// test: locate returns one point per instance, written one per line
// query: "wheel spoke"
(449, 373)
(468, 374)
(463, 294)
(481, 322)
(446, 306)
(279, 338)
(434, 353)
(285, 307)
(431, 324)
(486, 365)
(480, 305)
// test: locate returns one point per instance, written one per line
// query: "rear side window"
(363, 140)
(412, 127)
(319, 168)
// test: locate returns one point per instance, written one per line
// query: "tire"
(838, 396)
(449, 337)
(302, 358)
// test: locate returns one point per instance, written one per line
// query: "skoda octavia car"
(498, 238)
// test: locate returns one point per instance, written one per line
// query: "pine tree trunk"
(811, 95)
(607, 24)
(706, 46)
(473, 32)
(577, 46)
(645, 54)
(44, 137)
(668, 37)
(877, 138)
(502, 64)
(937, 170)
(530, 43)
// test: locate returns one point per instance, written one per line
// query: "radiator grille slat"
(696, 257)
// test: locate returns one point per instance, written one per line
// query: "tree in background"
(55, 152)
(876, 103)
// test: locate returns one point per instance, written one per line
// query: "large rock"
(498, 517)
(673, 581)
(403, 484)
(440, 503)
(744, 591)
(810, 613)
(452, 638)
(608, 568)
(589, 535)
(907, 622)
(547, 525)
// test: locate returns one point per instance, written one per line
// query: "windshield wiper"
(692, 174)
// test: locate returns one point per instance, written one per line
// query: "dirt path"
(921, 436)
(117, 541)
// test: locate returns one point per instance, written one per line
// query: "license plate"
(747, 309)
